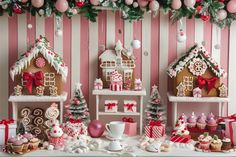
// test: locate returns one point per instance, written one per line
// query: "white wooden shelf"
(124, 92)
(175, 100)
(108, 92)
(32, 98)
(120, 113)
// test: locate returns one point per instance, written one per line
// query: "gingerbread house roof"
(41, 46)
(197, 51)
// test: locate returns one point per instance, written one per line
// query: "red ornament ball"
(80, 4)
(205, 17)
(17, 9)
(96, 128)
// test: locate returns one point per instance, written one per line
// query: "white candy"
(45, 144)
(50, 147)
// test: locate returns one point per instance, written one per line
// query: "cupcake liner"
(204, 145)
(34, 145)
(216, 146)
(201, 126)
(191, 125)
(212, 127)
(25, 147)
(17, 149)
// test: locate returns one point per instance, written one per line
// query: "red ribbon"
(110, 105)
(208, 83)
(154, 123)
(6, 123)
(130, 120)
(130, 106)
(33, 78)
(75, 120)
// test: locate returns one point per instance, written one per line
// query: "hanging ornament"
(41, 12)
(129, 2)
(136, 44)
(58, 33)
(61, 5)
(181, 36)
(17, 9)
(58, 26)
(221, 14)
(74, 11)
(37, 3)
(24, 1)
(80, 3)
(199, 8)
(198, 1)
(143, 3)
(135, 4)
(231, 6)
(154, 5)
(205, 17)
(176, 4)
(29, 26)
(95, 2)
(217, 45)
(189, 3)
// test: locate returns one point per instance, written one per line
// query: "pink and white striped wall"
(81, 40)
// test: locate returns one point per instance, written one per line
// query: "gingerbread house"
(39, 71)
(196, 69)
(119, 59)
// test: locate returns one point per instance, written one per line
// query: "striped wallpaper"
(81, 42)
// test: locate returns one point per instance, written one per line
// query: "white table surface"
(131, 142)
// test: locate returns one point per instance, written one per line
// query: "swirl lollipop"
(25, 112)
(38, 121)
(38, 112)
(52, 112)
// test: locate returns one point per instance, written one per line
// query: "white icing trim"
(42, 47)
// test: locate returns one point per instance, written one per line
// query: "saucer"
(114, 150)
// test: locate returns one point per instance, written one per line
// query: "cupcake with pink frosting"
(201, 122)
(211, 124)
(204, 141)
(192, 121)
(17, 146)
(211, 115)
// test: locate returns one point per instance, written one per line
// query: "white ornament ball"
(176, 4)
(95, 2)
(129, 2)
(189, 3)
(181, 37)
(154, 5)
(231, 6)
(135, 4)
(29, 26)
(41, 12)
(37, 3)
(217, 46)
(50, 147)
(59, 33)
(74, 11)
(4, 6)
(222, 14)
(136, 44)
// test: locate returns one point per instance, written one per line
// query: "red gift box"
(155, 129)
(130, 126)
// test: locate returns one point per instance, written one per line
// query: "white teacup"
(115, 129)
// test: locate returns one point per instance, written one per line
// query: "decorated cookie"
(40, 62)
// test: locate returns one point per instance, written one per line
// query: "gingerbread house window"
(49, 79)
(188, 82)
(106, 64)
(127, 75)
(128, 63)
(108, 75)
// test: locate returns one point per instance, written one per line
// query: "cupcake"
(56, 135)
(216, 144)
(34, 143)
(17, 146)
(26, 144)
(201, 122)
(226, 144)
(10, 141)
(192, 121)
(211, 115)
(204, 141)
(211, 124)
(29, 136)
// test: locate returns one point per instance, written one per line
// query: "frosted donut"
(25, 112)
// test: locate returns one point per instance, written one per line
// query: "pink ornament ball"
(189, 3)
(96, 128)
(143, 3)
(37, 3)
(129, 2)
(154, 5)
(61, 5)
(24, 1)
(95, 2)
(222, 14)
(176, 4)
(231, 6)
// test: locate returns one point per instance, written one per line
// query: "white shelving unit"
(175, 100)
(32, 98)
(107, 92)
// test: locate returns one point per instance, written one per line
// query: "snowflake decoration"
(197, 67)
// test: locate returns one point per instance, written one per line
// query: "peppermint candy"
(40, 62)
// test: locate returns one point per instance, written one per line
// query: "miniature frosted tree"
(155, 110)
(78, 109)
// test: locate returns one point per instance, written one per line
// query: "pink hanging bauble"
(143, 3)
(222, 14)
(95, 2)
(154, 5)
(61, 5)
(24, 1)
(129, 2)
(176, 4)
(96, 128)
(181, 37)
(37, 3)
(231, 6)
(189, 3)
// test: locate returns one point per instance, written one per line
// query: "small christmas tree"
(78, 109)
(155, 109)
